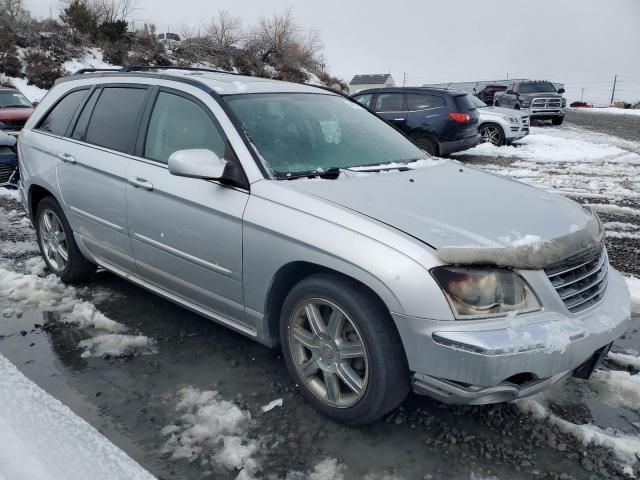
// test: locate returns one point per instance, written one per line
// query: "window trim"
(143, 131)
(55, 104)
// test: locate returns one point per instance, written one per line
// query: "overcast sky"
(581, 43)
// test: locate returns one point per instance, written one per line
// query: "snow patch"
(624, 360)
(623, 446)
(618, 389)
(212, 430)
(43, 439)
(117, 345)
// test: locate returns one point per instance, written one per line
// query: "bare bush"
(225, 31)
(41, 70)
(10, 64)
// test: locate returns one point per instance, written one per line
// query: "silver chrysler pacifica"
(296, 217)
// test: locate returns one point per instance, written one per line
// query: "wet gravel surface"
(131, 399)
(627, 127)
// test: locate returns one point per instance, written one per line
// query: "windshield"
(477, 102)
(13, 99)
(545, 87)
(298, 132)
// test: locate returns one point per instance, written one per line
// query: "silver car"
(501, 126)
(296, 217)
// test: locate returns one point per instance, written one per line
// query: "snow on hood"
(467, 215)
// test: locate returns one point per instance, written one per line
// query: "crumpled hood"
(489, 218)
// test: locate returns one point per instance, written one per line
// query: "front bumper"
(491, 361)
(446, 148)
(545, 113)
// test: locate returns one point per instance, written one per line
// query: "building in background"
(363, 82)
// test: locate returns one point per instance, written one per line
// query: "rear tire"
(57, 244)
(342, 349)
(557, 120)
(427, 145)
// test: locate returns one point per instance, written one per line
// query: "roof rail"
(141, 68)
(93, 70)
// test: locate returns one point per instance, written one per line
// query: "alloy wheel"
(491, 135)
(328, 352)
(53, 241)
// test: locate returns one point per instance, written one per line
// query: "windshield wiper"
(15, 106)
(329, 173)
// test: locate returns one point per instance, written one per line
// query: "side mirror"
(561, 90)
(35, 104)
(197, 163)
(510, 92)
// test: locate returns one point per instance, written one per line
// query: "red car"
(15, 110)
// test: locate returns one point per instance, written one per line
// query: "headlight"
(564, 102)
(525, 103)
(484, 292)
(512, 119)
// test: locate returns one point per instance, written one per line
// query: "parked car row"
(15, 110)
(391, 272)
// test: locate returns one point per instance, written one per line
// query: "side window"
(177, 123)
(115, 117)
(57, 120)
(80, 128)
(390, 102)
(418, 101)
(364, 99)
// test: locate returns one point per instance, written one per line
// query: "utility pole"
(613, 92)
(582, 94)
(507, 75)
(404, 79)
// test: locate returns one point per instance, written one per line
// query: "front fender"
(395, 267)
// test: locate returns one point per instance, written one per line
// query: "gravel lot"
(131, 399)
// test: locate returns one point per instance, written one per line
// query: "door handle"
(140, 182)
(398, 120)
(67, 158)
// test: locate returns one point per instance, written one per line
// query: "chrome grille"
(581, 283)
(6, 170)
(546, 102)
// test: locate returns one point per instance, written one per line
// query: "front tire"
(57, 245)
(557, 120)
(493, 134)
(341, 347)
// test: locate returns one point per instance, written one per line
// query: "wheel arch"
(286, 278)
(35, 195)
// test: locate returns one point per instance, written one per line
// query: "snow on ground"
(624, 360)
(610, 110)
(602, 169)
(618, 389)
(92, 58)
(33, 93)
(42, 439)
(624, 446)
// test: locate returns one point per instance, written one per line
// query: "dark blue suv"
(440, 121)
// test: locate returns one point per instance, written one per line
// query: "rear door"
(186, 232)
(93, 167)
(392, 106)
(427, 114)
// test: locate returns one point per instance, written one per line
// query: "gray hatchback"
(295, 216)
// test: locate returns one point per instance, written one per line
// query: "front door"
(186, 233)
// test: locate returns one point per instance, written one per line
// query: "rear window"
(115, 117)
(57, 120)
(464, 102)
(421, 101)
